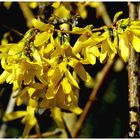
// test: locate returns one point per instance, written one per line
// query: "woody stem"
(133, 78)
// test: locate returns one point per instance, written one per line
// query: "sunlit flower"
(20, 69)
(47, 68)
(108, 48)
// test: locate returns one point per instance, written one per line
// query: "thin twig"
(79, 33)
(47, 134)
(12, 30)
(9, 109)
(104, 14)
(101, 10)
(27, 13)
(95, 91)
(133, 78)
(41, 10)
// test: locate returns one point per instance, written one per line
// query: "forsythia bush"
(46, 67)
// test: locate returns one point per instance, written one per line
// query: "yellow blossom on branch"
(47, 67)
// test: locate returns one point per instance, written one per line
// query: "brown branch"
(101, 11)
(104, 73)
(11, 30)
(47, 134)
(133, 72)
(79, 33)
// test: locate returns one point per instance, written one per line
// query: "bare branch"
(95, 91)
(10, 108)
(133, 71)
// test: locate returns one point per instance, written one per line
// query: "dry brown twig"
(92, 97)
(47, 134)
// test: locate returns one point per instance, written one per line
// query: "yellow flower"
(28, 119)
(93, 4)
(12, 49)
(86, 39)
(21, 71)
(79, 30)
(134, 33)
(41, 25)
(108, 48)
(57, 116)
(81, 7)
(23, 61)
(33, 5)
(60, 88)
(62, 12)
(80, 70)
(71, 78)
(4, 40)
(56, 4)
(136, 43)
(124, 46)
(82, 10)
(41, 38)
(4, 76)
(59, 97)
(92, 53)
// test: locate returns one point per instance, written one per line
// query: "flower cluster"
(66, 9)
(46, 67)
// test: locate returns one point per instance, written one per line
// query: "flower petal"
(4, 76)
(61, 12)
(124, 49)
(136, 43)
(31, 122)
(14, 115)
(56, 77)
(41, 25)
(80, 70)
(95, 51)
(57, 116)
(56, 4)
(41, 38)
(52, 91)
(82, 41)
(71, 79)
(91, 58)
(66, 85)
(76, 110)
(49, 48)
